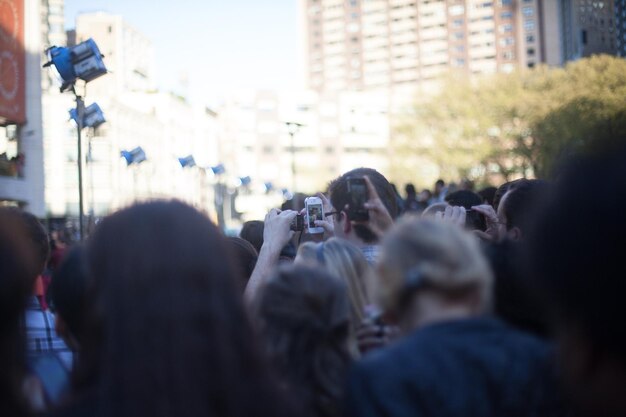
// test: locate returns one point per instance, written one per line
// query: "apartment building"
(370, 44)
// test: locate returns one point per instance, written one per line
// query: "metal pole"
(293, 164)
(80, 111)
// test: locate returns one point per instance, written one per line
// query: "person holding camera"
(363, 205)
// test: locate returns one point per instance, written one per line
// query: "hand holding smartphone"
(357, 189)
(314, 211)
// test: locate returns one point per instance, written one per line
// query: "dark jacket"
(474, 367)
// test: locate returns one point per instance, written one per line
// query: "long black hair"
(169, 335)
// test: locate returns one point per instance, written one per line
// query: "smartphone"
(357, 189)
(314, 211)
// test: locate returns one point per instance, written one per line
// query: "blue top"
(472, 367)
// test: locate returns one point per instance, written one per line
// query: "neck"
(432, 312)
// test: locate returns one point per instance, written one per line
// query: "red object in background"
(12, 63)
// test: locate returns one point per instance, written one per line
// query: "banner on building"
(12, 63)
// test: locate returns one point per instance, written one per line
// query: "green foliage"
(518, 124)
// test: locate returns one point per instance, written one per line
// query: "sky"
(220, 45)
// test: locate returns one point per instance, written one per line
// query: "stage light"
(187, 161)
(92, 117)
(218, 169)
(83, 61)
(136, 156)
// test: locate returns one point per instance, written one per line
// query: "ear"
(346, 224)
(514, 233)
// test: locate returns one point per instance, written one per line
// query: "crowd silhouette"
(503, 302)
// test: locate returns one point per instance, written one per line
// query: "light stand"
(293, 128)
(80, 111)
(84, 62)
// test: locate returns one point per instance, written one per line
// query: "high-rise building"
(589, 27)
(379, 43)
(620, 20)
(369, 44)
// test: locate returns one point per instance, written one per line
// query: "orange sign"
(12, 63)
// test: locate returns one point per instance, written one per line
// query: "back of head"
(467, 199)
(68, 291)
(245, 257)
(169, 324)
(16, 259)
(520, 204)
(424, 254)
(488, 195)
(252, 231)
(339, 196)
(410, 190)
(35, 234)
(577, 249)
(345, 261)
(304, 315)
(501, 191)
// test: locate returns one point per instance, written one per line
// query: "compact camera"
(297, 225)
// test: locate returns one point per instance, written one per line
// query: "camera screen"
(315, 213)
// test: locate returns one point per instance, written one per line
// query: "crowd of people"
(505, 302)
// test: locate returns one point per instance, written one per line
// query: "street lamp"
(292, 129)
(80, 62)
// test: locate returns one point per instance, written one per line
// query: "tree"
(516, 124)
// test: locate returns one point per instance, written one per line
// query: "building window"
(530, 38)
(530, 51)
(506, 15)
(506, 28)
(527, 11)
(507, 41)
(506, 2)
(531, 65)
(529, 25)
(457, 23)
(456, 10)
(459, 35)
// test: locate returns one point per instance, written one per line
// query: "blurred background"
(234, 107)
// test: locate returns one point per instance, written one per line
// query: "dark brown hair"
(169, 329)
(339, 197)
(16, 259)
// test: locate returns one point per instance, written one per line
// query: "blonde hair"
(439, 255)
(433, 209)
(345, 261)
